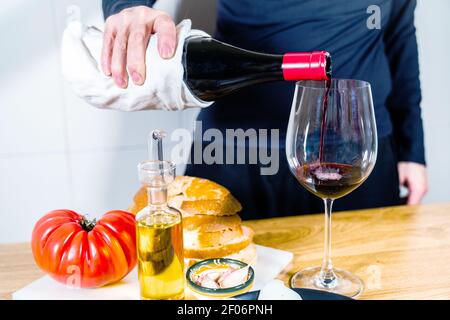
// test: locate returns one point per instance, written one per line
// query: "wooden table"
(399, 252)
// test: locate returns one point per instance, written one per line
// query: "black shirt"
(385, 57)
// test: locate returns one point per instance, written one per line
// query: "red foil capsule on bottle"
(306, 66)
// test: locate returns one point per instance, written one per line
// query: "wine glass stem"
(327, 275)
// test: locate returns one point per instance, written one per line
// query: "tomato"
(82, 253)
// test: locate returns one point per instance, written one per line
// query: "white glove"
(164, 88)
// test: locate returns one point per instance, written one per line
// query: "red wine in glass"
(330, 180)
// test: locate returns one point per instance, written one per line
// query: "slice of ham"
(222, 277)
(233, 277)
(205, 281)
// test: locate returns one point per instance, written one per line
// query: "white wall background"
(58, 152)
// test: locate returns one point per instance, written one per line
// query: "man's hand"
(414, 177)
(126, 39)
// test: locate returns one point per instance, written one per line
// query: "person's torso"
(280, 26)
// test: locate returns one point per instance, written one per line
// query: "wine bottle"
(213, 69)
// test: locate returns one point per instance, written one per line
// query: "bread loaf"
(211, 226)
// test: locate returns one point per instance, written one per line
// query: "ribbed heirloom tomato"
(82, 253)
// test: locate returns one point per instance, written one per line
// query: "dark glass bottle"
(213, 69)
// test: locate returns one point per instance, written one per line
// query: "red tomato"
(82, 253)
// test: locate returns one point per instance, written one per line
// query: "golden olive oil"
(160, 256)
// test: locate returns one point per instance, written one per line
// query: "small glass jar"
(205, 293)
(159, 236)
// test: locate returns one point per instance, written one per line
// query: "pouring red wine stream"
(324, 115)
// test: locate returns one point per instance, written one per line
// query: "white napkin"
(163, 89)
(276, 290)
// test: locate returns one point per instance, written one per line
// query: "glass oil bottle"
(159, 236)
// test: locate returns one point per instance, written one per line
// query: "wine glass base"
(346, 283)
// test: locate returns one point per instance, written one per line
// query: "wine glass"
(331, 147)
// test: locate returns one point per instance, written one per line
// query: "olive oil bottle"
(159, 236)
